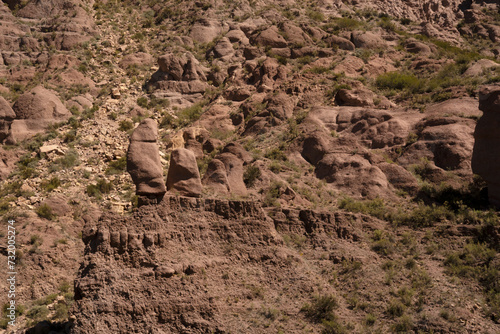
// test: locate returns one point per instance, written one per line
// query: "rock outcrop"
(143, 160)
(180, 78)
(35, 111)
(485, 157)
(183, 175)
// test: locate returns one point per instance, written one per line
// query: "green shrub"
(333, 327)
(189, 115)
(38, 313)
(397, 80)
(45, 211)
(315, 15)
(70, 159)
(273, 194)
(321, 308)
(252, 173)
(96, 190)
(396, 308)
(403, 325)
(370, 319)
(276, 154)
(343, 23)
(126, 125)
(50, 185)
(117, 166)
(375, 207)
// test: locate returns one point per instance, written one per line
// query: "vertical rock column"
(143, 161)
(183, 176)
(486, 154)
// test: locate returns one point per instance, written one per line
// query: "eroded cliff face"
(191, 265)
(196, 265)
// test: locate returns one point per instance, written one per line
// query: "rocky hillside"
(318, 159)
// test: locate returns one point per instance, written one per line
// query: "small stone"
(115, 93)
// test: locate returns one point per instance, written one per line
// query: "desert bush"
(375, 207)
(50, 185)
(252, 173)
(45, 211)
(343, 23)
(117, 166)
(475, 261)
(126, 125)
(272, 195)
(27, 166)
(403, 325)
(396, 308)
(321, 309)
(397, 80)
(38, 313)
(189, 115)
(70, 159)
(96, 190)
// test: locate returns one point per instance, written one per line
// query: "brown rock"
(280, 106)
(58, 204)
(136, 59)
(339, 42)
(40, 103)
(6, 112)
(143, 160)
(239, 151)
(216, 177)
(368, 40)
(294, 34)
(354, 97)
(183, 175)
(270, 37)
(315, 146)
(234, 172)
(480, 66)
(223, 48)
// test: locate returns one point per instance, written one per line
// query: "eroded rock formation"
(143, 160)
(183, 175)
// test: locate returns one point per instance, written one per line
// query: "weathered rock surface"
(40, 103)
(485, 157)
(173, 247)
(34, 112)
(143, 160)
(183, 176)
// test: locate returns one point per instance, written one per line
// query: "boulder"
(234, 172)
(270, 37)
(6, 117)
(136, 59)
(485, 157)
(368, 40)
(35, 111)
(58, 205)
(294, 34)
(143, 160)
(223, 49)
(280, 105)
(40, 103)
(216, 177)
(480, 66)
(183, 175)
(205, 30)
(415, 46)
(339, 42)
(355, 97)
